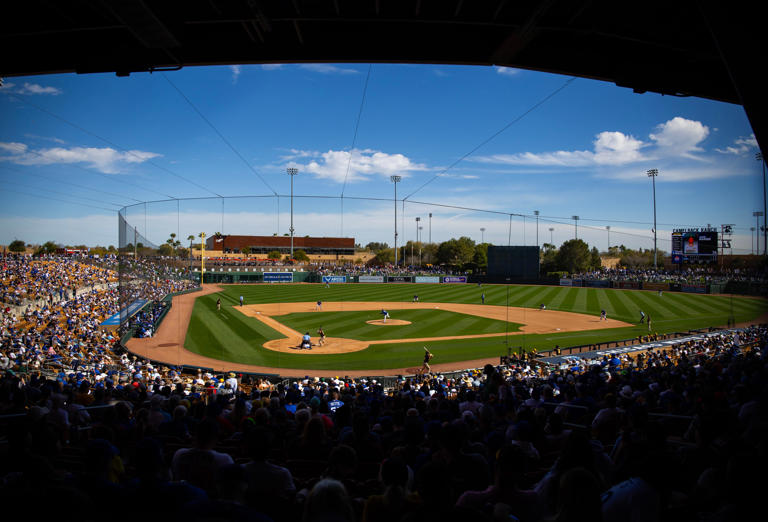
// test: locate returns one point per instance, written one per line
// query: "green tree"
(274, 255)
(17, 245)
(375, 246)
(246, 251)
(595, 262)
(165, 250)
(383, 257)
(574, 256)
(49, 247)
(480, 257)
(300, 255)
(456, 252)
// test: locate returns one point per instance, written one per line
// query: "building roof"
(238, 242)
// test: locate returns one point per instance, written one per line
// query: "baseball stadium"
(327, 296)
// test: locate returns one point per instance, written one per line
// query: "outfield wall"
(280, 275)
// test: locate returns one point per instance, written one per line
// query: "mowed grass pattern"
(424, 323)
(229, 335)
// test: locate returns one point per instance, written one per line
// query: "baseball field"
(451, 320)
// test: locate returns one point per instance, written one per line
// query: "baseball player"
(318, 306)
(642, 316)
(427, 357)
(321, 334)
(603, 315)
(385, 314)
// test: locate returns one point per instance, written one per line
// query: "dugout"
(513, 262)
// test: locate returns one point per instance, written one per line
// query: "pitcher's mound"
(396, 322)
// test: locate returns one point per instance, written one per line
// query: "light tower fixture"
(551, 242)
(652, 173)
(576, 225)
(396, 180)
(759, 157)
(292, 172)
(482, 235)
(608, 229)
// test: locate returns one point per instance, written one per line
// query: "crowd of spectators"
(687, 275)
(145, 322)
(673, 435)
(25, 280)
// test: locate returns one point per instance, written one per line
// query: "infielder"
(321, 334)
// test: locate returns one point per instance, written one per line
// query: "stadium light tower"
(608, 229)
(752, 237)
(575, 226)
(759, 157)
(536, 213)
(551, 242)
(396, 180)
(652, 173)
(419, 240)
(292, 172)
(430, 228)
(757, 215)
(482, 235)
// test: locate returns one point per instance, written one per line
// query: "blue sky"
(74, 149)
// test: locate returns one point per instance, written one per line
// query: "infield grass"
(230, 335)
(424, 323)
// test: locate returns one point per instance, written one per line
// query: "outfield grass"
(424, 323)
(229, 335)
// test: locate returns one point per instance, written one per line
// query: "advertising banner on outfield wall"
(566, 282)
(427, 279)
(399, 279)
(278, 277)
(576, 282)
(629, 284)
(597, 283)
(334, 279)
(656, 286)
(694, 289)
(370, 279)
(455, 279)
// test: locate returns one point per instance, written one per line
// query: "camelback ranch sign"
(455, 279)
(278, 277)
(399, 279)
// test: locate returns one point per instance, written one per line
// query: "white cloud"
(30, 88)
(610, 148)
(675, 139)
(677, 174)
(106, 159)
(365, 163)
(507, 71)
(236, 70)
(741, 145)
(271, 66)
(326, 68)
(615, 148)
(680, 137)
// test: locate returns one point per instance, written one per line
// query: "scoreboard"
(694, 245)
